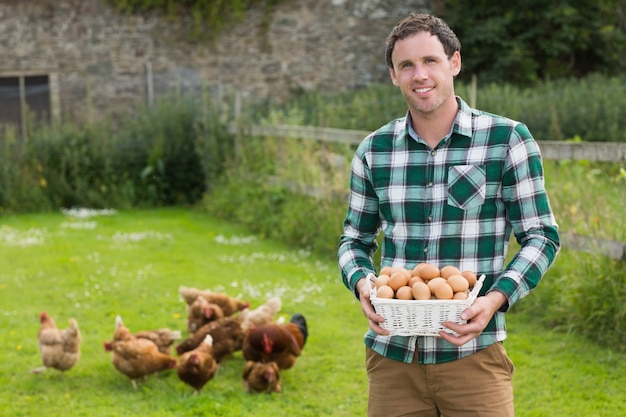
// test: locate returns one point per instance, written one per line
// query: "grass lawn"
(132, 263)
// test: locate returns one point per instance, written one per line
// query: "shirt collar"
(462, 122)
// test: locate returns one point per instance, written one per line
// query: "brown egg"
(386, 270)
(435, 282)
(404, 293)
(449, 270)
(470, 276)
(403, 270)
(398, 279)
(444, 291)
(413, 280)
(420, 291)
(428, 271)
(416, 270)
(385, 291)
(382, 280)
(458, 283)
(460, 296)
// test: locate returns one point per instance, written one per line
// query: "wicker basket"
(420, 317)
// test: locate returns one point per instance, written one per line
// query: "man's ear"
(455, 62)
(392, 74)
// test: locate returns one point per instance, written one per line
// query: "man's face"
(424, 74)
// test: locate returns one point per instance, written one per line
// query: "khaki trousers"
(478, 385)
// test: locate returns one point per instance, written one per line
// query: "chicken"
(227, 337)
(274, 342)
(60, 349)
(163, 338)
(229, 305)
(198, 366)
(201, 312)
(265, 313)
(136, 357)
(262, 377)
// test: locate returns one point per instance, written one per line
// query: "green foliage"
(207, 17)
(524, 42)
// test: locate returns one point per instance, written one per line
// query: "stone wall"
(99, 59)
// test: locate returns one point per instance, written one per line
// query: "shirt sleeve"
(533, 222)
(361, 225)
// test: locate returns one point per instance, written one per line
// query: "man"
(445, 185)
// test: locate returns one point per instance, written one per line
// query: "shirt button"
(433, 153)
(430, 184)
(430, 218)
(425, 250)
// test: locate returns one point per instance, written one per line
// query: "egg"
(420, 291)
(384, 291)
(404, 293)
(428, 271)
(382, 280)
(460, 296)
(470, 276)
(449, 270)
(413, 280)
(403, 270)
(458, 282)
(416, 270)
(398, 279)
(434, 283)
(386, 270)
(444, 291)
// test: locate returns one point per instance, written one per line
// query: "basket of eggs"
(414, 302)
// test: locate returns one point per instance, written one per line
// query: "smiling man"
(447, 185)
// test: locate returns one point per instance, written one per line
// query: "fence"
(554, 150)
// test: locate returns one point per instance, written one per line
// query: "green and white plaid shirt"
(456, 205)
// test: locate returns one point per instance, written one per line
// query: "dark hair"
(418, 22)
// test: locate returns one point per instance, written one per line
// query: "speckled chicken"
(60, 349)
(198, 366)
(276, 342)
(201, 312)
(136, 357)
(262, 377)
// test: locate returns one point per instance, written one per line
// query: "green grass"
(132, 264)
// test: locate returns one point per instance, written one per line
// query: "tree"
(527, 41)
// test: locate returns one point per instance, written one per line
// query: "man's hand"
(477, 316)
(368, 309)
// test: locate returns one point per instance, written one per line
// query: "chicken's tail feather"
(299, 320)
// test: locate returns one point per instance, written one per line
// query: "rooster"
(276, 342)
(163, 338)
(227, 337)
(136, 357)
(60, 349)
(265, 313)
(201, 312)
(262, 377)
(198, 366)
(230, 305)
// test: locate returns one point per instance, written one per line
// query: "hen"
(201, 312)
(262, 377)
(163, 338)
(265, 313)
(60, 349)
(198, 366)
(227, 337)
(136, 357)
(230, 305)
(274, 342)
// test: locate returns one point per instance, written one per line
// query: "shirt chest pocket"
(467, 186)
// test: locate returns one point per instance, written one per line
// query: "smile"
(423, 90)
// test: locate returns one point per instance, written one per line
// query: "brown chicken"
(198, 366)
(265, 313)
(262, 377)
(60, 349)
(274, 342)
(227, 337)
(163, 338)
(230, 305)
(136, 357)
(201, 312)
